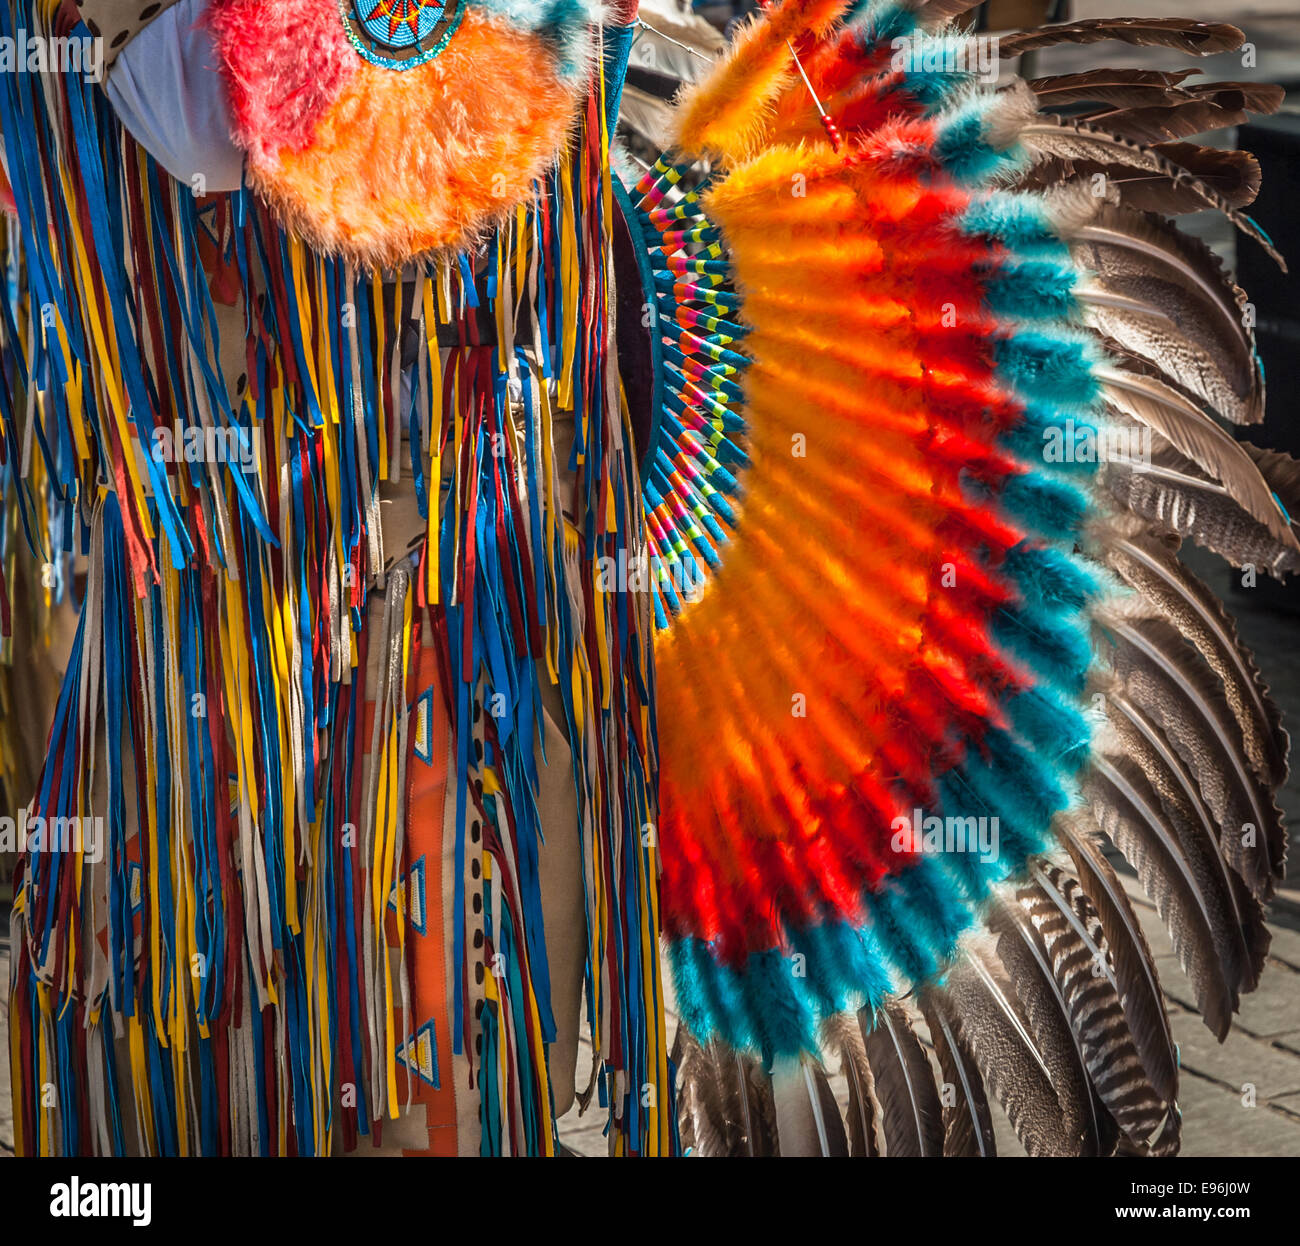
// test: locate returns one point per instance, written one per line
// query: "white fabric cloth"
(168, 93)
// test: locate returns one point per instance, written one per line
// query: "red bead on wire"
(832, 132)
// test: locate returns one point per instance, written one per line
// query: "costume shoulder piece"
(383, 130)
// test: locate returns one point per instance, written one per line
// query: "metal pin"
(832, 131)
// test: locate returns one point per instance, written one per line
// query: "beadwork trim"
(375, 57)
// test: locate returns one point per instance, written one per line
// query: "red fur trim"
(285, 62)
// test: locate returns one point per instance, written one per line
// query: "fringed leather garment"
(327, 690)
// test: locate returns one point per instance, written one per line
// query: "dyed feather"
(816, 265)
(380, 165)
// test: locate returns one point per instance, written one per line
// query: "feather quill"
(1071, 934)
(1131, 959)
(1172, 491)
(1151, 568)
(1168, 681)
(911, 1116)
(1072, 141)
(1181, 34)
(967, 1123)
